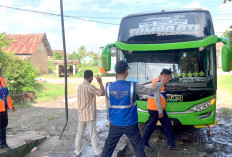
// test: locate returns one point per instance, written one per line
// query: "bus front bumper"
(205, 117)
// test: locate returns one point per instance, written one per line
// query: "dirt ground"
(48, 119)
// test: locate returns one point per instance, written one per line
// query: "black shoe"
(5, 147)
(172, 148)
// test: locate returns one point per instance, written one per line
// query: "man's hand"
(13, 109)
(98, 78)
(161, 115)
(165, 79)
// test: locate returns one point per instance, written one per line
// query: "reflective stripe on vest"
(124, 106)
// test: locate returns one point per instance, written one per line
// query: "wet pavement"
(193, 142)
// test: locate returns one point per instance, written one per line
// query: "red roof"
(27, 43)
(91, 55)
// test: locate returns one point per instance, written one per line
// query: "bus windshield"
(158, 27)
(192, 68)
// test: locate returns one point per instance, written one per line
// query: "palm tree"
(82, 51)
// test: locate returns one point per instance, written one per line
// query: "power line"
(46, 13)
(103, 12)
(113, 18)
(77, 17)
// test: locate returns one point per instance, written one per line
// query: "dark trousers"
(132, 133)
(3, 125)
(151, 124)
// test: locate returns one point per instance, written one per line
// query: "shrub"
(20, 75)
(58, 55)
(51, 66)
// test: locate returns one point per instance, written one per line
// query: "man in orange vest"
(156, 109)
(5, 103)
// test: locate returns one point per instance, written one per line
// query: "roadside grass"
(21, 105)
(47, 92)
(225, 83)
(51, 117)
(51, 75)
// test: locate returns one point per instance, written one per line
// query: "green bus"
(182, 41)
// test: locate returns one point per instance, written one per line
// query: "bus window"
(192, 68)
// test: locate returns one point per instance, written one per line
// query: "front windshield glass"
(192, 68)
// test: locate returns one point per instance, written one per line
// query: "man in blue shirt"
(122, 110)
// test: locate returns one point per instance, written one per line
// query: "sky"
(94, 23)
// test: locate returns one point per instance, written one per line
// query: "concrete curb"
(22, 144)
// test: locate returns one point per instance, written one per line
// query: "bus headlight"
(201, 107)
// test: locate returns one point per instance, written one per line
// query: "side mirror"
(226, 54)
(106, 57)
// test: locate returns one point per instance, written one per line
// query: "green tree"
(96, 60)
(57, 56)
(82, 51)
(51, 66)
(228, 34)
(74, 55)
(5, 42)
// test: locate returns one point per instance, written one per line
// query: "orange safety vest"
(4, 91)
(151, 104)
